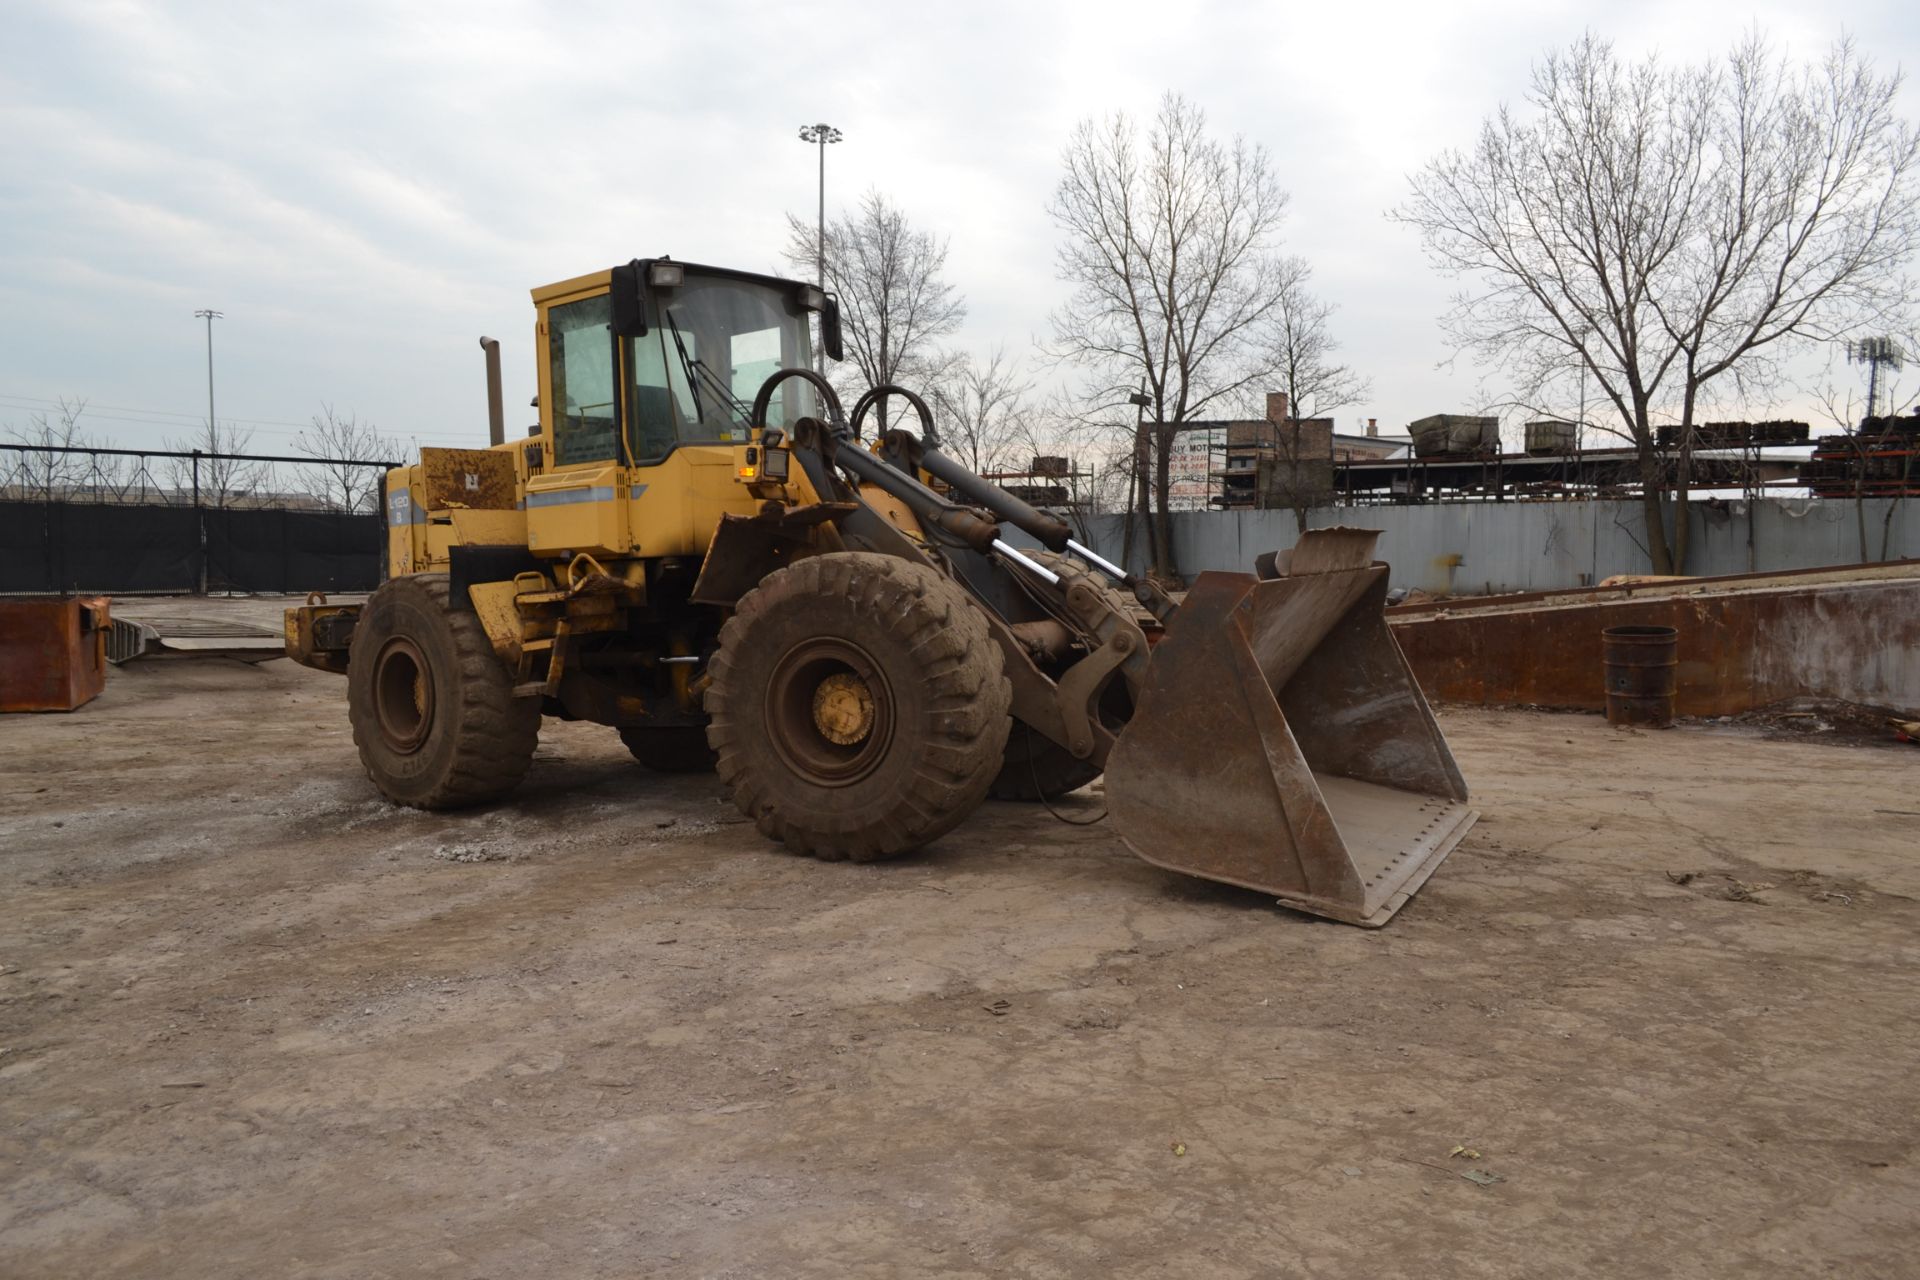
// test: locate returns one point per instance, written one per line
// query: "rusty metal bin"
(1639, 667)
(53, 652)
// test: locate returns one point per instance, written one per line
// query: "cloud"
(365, 187)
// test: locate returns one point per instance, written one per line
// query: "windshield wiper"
(687, 367)
(740, 407)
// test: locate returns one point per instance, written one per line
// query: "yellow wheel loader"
(698, 547)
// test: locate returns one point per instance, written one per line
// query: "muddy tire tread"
(496, 733)
(966, 721)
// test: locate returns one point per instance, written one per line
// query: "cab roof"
(596, 281)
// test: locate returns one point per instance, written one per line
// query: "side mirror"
(830, 329)
(627, 297)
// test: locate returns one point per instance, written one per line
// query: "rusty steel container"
(53, 652)
(1639, 665)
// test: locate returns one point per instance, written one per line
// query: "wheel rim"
(829, 711)
(403, 695)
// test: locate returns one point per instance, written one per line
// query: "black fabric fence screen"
(53, 547)
(267, 550)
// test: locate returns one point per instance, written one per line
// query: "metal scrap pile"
(1881, 461)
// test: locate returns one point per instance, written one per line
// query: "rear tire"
(670, 748)
(431, 705)
(859, 706)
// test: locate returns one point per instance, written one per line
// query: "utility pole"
(820, 135)
(1580, 431)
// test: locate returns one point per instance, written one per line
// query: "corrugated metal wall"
(1472, 548)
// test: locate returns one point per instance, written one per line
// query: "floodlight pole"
(1874, 353)
(820, 135)
(209, 315)
(213, 438)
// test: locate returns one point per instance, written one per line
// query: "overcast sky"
(364, 188)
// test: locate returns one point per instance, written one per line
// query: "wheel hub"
(403, 695)
(829, 711)
(843, 709)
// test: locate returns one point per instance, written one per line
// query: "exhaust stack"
(496, 410)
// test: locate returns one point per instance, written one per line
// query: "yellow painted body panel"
(493, 604)
(577, 287)
(613, 512)
(575, 509)
(894, 510)
(488, 528)
(677, 504)
(406, 522)
(668, 509)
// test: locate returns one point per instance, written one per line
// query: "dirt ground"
(255, 1022)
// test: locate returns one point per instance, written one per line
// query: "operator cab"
(657, 354)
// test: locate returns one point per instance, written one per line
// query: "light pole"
(213, 440)
(1136, 482)
(820, 135)
(1876, 354)
(210, 315)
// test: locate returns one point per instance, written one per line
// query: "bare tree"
(983, 404)
(219, 478)
(1169, 246)
(1304, 368)
(1666, 229)
(1111, 461)
(347, 475)
(894, 306)
(51, 475)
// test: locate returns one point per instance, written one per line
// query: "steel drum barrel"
(1639, 663)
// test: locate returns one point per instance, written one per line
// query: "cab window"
(709, 346)
(756, 357)
(650, 401)
(580, 351)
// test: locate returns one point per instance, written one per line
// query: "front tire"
(859, 706)
(431, 705)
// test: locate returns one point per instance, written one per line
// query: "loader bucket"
(1280, 742)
